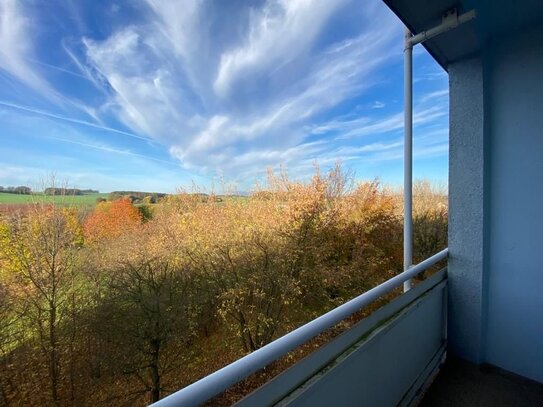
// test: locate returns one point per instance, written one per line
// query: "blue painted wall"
(496, 205)
(514, 273)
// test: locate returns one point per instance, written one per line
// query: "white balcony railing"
(208, 387)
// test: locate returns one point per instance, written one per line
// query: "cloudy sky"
(157, 94)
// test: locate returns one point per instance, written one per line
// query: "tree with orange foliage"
(110, 220)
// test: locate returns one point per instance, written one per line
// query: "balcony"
(390, 358)
(398, 347)
(462, 383)
(484, 308)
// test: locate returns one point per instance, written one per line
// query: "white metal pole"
(408, 158)
(449, 21)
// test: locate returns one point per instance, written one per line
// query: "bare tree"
(152, 307)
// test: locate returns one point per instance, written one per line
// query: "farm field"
(17, 199)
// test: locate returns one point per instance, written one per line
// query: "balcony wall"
(515, 255)
(385, 359)
(495, 192)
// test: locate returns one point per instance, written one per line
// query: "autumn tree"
(430, 219)
(119, 309)
(42, 257)
(266, 254)
(10, 332)
(150, 308)
(111, 219)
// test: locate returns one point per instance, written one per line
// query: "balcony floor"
(461, 383)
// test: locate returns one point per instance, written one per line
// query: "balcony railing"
(400, 344)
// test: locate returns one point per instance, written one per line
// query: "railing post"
(408, 158)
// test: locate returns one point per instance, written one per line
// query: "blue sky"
(158, 94)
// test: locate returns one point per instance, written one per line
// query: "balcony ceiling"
(494, 18)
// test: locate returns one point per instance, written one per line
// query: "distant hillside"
(69, 191)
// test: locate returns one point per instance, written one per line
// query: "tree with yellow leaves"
(40, 253)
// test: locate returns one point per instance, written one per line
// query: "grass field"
(17, 199)
(78, 200)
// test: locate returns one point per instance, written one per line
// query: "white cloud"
(229, 88)
(278, 33)
(50, 115)
(109, 149)
(345, 129)
(157, 86)
(146, 96)
(434, 95)
(162, 75)
(179, 22)
(16, 46)
(427, 144)
(224, 88)
(336, 75)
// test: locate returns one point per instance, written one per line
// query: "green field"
(78, 200)
(15, 199)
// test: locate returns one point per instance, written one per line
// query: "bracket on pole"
(450, 19)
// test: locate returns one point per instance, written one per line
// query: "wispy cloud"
(16, 47)
(278, 33)
(179, 21)
(160, 91)
(145, 94)
(229, 87)
(366, 126)
(109, 149)
(70, 120)
(434, 95)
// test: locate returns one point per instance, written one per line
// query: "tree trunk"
(155, 373)
(54, 366)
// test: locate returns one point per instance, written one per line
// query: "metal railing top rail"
(209, 386)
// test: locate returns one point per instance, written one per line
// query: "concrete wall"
(514, 331)
(467, 208)
(496, 205)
